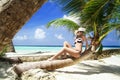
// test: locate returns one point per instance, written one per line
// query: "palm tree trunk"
(13, 15)
(10, 47)
(51, 65)
(11, 60)
(55, 64)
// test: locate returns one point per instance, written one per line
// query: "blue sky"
(34, 31)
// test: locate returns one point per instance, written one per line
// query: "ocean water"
(42, 49)
(35, 49)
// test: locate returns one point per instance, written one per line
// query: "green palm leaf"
(95, 15)
(71, 6)
(71, 25)
(113, 27)
(94, 11)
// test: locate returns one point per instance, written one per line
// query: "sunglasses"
(80, 31)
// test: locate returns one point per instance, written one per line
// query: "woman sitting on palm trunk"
(74, 52)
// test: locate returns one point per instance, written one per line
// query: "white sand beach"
(104, 69)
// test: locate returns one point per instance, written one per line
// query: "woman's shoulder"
(83, 37)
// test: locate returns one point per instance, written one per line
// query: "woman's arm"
(85, 39)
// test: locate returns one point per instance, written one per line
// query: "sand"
(103, 69)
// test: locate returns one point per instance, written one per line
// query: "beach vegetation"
(2, 53)
(99, 17)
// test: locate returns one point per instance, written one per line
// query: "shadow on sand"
(93, 68)
(3, 68)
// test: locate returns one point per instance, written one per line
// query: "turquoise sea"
(35, 49)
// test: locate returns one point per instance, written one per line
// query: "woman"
(74, 52)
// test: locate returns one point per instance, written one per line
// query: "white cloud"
(24, 37)
(60, 36)
(39, 34)
(72, 18)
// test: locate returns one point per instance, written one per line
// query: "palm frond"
(71, 25)
(74, 6)
(116, 17)
(71, 6)
(92, 10)
(111, 28)
(95, 29)
(101, 12)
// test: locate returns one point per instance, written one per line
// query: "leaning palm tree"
(13, 15)
(96, 16)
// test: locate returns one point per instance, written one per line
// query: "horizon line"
(62, 45)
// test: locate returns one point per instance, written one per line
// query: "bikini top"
(78, 40)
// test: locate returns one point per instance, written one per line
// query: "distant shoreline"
(57, 45)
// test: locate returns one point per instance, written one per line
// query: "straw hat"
(80, 29)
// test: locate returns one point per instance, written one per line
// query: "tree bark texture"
(13, 15)
(55, 64)
(51, 65)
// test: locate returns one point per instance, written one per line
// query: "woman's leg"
(66, 44)
(70, 51)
